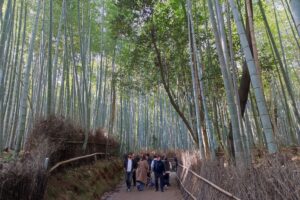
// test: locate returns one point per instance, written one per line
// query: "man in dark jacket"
(128, 168)
(159, 171)
(176, 163)
(168, 170)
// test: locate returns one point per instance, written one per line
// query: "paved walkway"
(172, 193)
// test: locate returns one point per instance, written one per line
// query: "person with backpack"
(159, 171)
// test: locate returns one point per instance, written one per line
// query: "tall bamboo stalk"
(229, 90)
(255, 80)
(23, 102)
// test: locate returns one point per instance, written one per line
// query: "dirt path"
(172, 193)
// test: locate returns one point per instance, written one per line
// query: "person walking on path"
(167, 165)
(136, 159)
(176, 163)
(128, 168)
(141, 173)
(149, 160)
(152, 176)
(159, 171)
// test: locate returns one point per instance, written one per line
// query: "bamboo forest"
(210, 87)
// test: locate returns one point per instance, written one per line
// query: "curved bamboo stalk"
(74, 159)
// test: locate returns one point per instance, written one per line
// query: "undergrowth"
(85, 182)
(273, 177)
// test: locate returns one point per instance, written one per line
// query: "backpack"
(155, 168)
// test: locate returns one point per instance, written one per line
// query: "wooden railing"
(185, 190)
(75, 159)
(206, 181)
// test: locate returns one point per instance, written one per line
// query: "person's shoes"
(162, 190)
(156, 190)
(128, 190)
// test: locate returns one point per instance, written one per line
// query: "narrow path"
(172, 193)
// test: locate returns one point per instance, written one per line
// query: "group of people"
(141, 169)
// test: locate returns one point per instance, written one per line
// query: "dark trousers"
(161, 180)
(128, 176)
(134, 177)
(167, 179)
(140, 185)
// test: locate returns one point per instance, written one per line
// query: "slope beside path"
(172, 193)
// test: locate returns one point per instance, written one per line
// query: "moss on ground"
(84, 183)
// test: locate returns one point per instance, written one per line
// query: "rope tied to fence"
(208, 182)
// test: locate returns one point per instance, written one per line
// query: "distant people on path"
(128, 168)
(141, 173)
(144, 171)
(176, 163)
(159, 171)
(168, 167)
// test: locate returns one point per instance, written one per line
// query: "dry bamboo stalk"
(71, 160)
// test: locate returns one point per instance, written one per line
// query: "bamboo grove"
(211, 75)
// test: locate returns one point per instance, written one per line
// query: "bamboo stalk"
(73, 159)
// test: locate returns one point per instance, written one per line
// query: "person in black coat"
(176, 163)
(136, 159)
(159, 171)
(168, 170)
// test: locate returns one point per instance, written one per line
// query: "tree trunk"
(238, 149)
(49, 96)
(174, 104)
(255, 80)
(283, 69)
(23, 102)
(194, 81)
